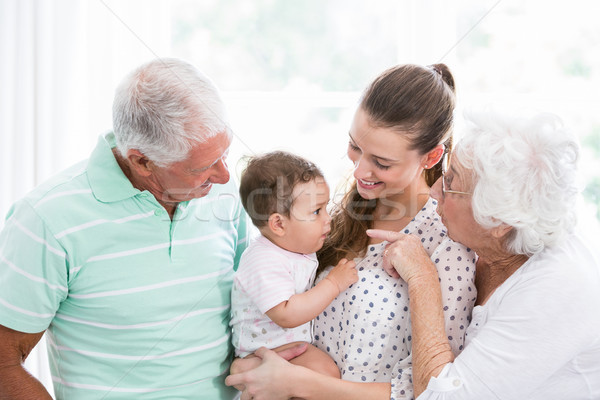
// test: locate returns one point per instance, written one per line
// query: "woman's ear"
(276, 224)
(433, 157)
(139, 162)
(501, 230)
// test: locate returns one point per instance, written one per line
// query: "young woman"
(399, 134)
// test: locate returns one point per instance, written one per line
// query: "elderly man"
(126, 259)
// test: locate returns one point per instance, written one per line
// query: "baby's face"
(309, 221)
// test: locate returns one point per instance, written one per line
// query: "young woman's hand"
(343, 274)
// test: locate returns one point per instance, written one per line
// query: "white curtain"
(61, 60)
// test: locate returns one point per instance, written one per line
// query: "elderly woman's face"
(455, 208)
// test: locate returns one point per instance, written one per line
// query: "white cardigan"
(537, 337)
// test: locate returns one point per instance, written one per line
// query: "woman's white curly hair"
(524, 175)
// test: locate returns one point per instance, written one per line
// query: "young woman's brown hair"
(418, 102)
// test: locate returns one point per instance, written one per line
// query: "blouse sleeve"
(402, 385)
(455, 264)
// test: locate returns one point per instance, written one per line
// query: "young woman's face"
(384, 166)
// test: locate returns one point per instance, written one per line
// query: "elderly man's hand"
(241, 365)
(404, 256)
(270, 378)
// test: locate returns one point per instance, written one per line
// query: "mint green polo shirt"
(136, 306)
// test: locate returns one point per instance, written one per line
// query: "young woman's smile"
(384, 166)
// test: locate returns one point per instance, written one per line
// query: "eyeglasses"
(444, 170)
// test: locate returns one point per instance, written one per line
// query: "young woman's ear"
(433, 157)
(276, 224)
(139, 162)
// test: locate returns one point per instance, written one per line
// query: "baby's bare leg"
(314, 359)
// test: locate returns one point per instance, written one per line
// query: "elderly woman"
(509, 194)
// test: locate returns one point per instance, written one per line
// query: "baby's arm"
(304, 307)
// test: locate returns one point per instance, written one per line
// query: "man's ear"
(276, 224)
(139, 163)
(433, 157)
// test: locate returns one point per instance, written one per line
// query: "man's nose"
(220, 172)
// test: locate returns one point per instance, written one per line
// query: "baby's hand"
(343, 274)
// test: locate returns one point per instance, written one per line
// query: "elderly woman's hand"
(404, 256)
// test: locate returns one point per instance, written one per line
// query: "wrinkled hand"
(404, 257)
(343, 274)
(270, 379)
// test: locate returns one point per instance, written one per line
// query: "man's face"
(193, 177)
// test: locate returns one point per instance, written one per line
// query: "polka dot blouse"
(366, 329)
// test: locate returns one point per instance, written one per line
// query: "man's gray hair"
(524, 176)
(165, 106)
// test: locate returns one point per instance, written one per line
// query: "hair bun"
(445, 73)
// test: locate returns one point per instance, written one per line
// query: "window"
(292, 72)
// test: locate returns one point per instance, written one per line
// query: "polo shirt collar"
(107, 180)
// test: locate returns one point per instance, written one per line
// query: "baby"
(273, 301)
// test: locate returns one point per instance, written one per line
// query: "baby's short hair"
(268, 181)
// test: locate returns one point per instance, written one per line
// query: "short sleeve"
(242, 236)
(266, 278)
(33, 271)
(456, 269)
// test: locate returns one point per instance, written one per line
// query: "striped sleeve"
(243, 235)
(33, 271)
(266, 278)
